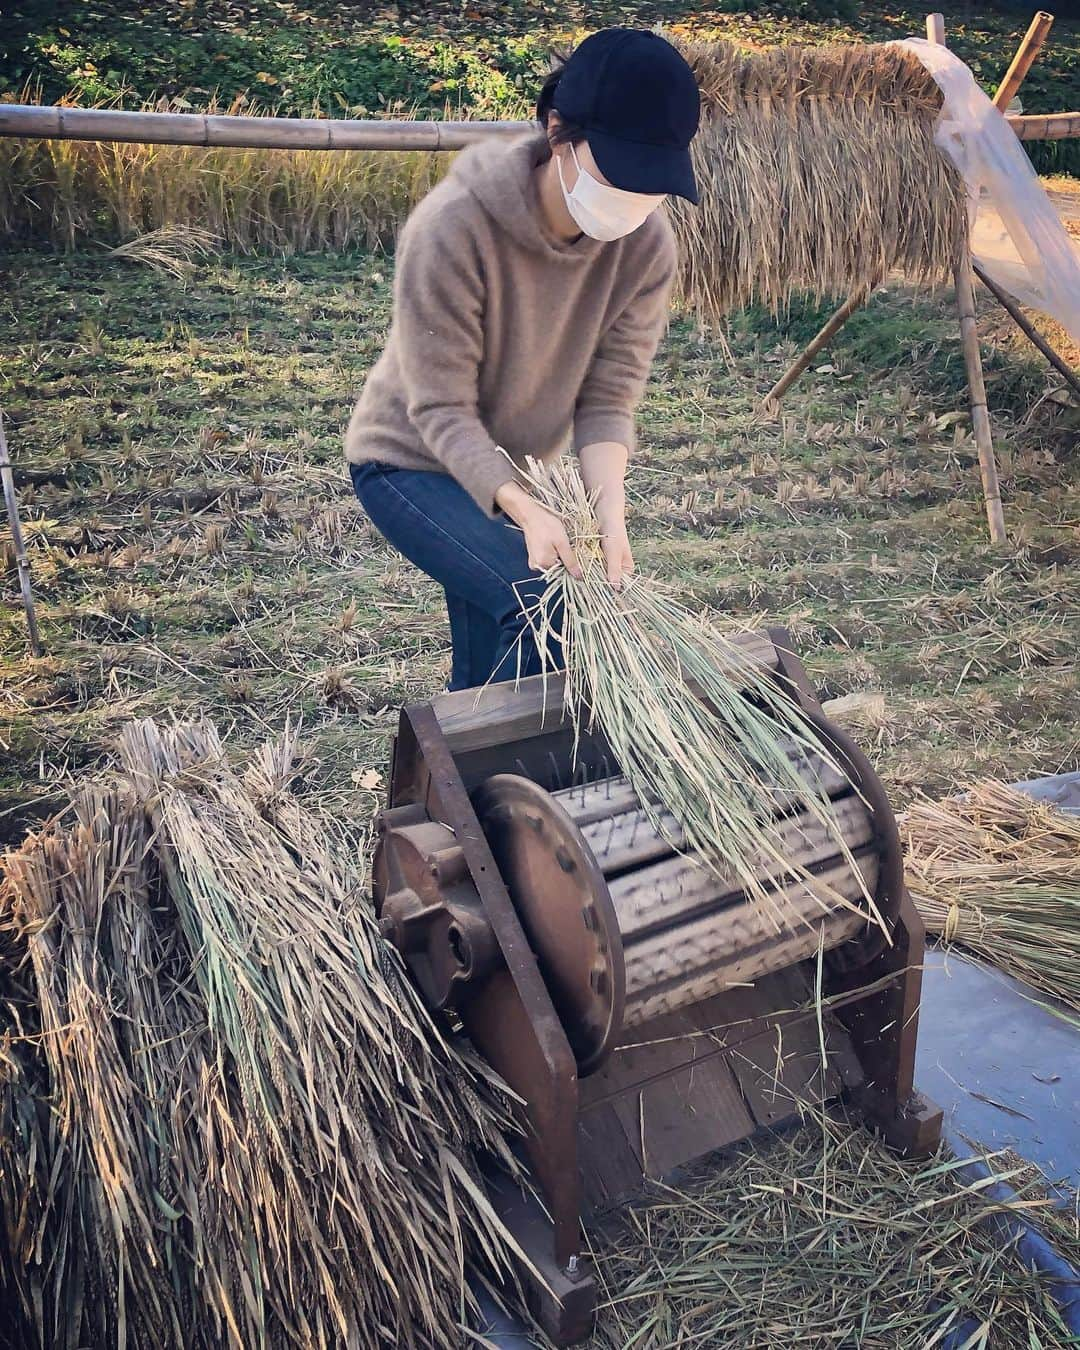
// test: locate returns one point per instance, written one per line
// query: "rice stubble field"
(196, 549)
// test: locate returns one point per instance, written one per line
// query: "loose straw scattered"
(700, 730)
(225, 1118)
(172, 249)
(742, 1254)
(998, 872)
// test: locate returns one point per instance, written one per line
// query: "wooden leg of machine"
(883, 1028)
(883, 1023)
(562, 1299)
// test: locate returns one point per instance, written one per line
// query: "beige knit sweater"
(504, 336)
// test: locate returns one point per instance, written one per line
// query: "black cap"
(638, 103)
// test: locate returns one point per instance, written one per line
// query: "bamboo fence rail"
(322, 133)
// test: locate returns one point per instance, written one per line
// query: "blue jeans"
(481, 564)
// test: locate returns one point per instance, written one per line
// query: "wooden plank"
(781, 1072)
(610, 1164)
(668, 1043)
(474, 718)
(691, 1112)
(778, 1064)
(719, 1024)
(705, 1077)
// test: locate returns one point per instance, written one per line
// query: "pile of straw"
(800, 1245)
(818, 174)
(998, 872)
(712, 744)
(225, 1120)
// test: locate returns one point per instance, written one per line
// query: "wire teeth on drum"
(612, 821)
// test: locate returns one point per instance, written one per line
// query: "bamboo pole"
(269, 133)
(11, 502)
(969, 339)
(321, 133)
(1046, 127)
(1026, 53)
(825, 335)
(1028, 329)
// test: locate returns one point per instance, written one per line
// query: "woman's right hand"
(545, 535)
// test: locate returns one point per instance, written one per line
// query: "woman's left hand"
(603, 468)
(616, 545)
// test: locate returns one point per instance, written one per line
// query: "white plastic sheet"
(1017, 237)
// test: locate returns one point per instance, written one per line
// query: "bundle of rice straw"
(225, 1119)
(818, 174)
(998, 872)
(714, 747)
(795, 1244)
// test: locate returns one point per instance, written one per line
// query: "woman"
(531, 289)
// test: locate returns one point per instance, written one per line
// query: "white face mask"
(605, 212)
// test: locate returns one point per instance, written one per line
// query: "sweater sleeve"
(439, 310)
(615, 381)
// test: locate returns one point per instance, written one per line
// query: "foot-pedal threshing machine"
(644, 1012)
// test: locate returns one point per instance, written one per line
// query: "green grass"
(486, 56)
(195, 546)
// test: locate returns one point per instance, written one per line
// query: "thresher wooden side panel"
(474, 718)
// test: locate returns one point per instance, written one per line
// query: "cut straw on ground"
(172, 249)
(706, 737)
(746, 1255)
(225, 1118)
(998, 872)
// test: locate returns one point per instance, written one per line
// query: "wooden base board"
(705, 1077)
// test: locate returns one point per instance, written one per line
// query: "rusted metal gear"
(564, 906)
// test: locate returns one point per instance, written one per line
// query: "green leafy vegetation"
(481, 56)
(195, 546)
